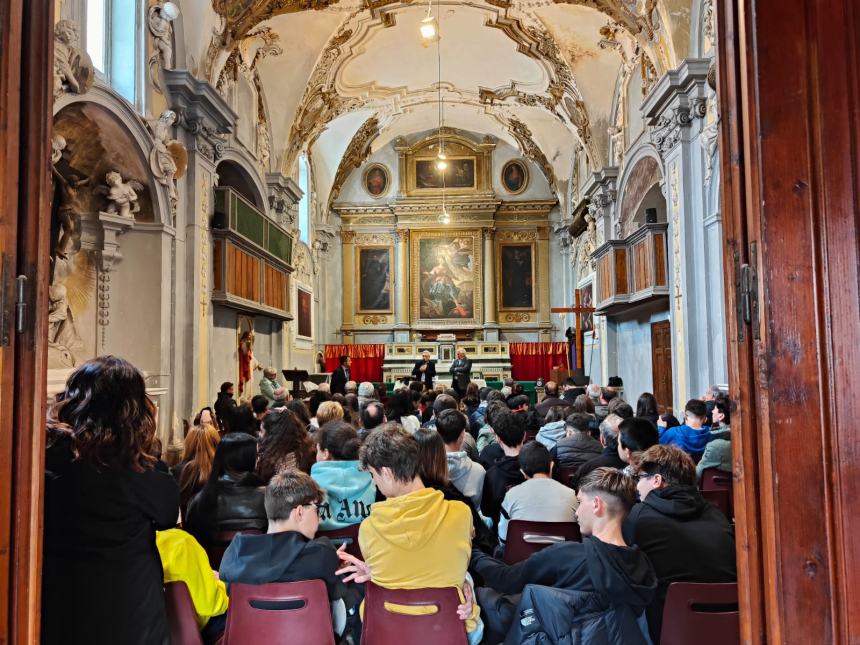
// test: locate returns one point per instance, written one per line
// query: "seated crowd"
(430, 482)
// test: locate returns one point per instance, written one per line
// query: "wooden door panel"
(661, 364)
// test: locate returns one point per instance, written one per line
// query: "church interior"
(276, 201)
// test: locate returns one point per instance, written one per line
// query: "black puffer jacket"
(572, 452)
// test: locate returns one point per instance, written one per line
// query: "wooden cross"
(579, 310)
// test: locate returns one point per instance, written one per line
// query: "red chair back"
(525, 538)
(347, 536)
(215, 549)
(384, 624)
(181, 617)
(564, 475)
(701, 613)
(279, 612)
(715, 479)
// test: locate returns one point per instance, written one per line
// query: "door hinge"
(748, 295)
(20, 303)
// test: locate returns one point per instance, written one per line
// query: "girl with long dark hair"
(284, 444)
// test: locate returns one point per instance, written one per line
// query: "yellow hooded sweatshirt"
(184, 560)
(419, 540)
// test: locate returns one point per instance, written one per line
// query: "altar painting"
(448, 276)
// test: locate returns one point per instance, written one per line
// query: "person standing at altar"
(461, 370)
(341, 375)
(425, 370)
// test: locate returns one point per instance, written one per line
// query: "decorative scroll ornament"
(356, 153)
(530, 149)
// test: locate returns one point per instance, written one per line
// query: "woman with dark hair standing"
(232, 499)
(646, 407)
(284, 444)
(104, 500)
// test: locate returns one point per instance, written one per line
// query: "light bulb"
(170, 11)
(444, 218)
(441, 164)
(428, 28)
(441, 155)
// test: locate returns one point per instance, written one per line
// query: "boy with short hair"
(693, 436)
(505, 472)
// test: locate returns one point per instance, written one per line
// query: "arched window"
(305, 202)
(114, 41)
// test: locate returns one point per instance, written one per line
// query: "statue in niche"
(166, 153)
(73, 69)
(70, 210)
(121, 195)
(160, 18)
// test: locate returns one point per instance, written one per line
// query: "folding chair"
(701, 613)
(181, 617)
(215, 549)
(347, 536)
(525, 538)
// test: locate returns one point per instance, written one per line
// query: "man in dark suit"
(425, 370)
(461, 370)
(340, 376)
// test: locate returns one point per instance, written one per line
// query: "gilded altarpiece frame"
(516, 275)
(374, 279)
(473, 159)
(446, 274)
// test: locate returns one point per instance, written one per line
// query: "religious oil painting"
(376, 180)
(515, 176)
(374, 279)
(460, 173)
(305, 300)
(586, 293)
(446, 275)
(517, 276)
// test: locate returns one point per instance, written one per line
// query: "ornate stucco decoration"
(356, 153)
(530, 149)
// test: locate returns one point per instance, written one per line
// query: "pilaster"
(401, 286)
(491, 324)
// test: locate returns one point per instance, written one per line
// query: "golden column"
(401, 284)
(491, 326)
(349, 282)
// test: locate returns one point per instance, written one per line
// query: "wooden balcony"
(252, 258)
(632, 271)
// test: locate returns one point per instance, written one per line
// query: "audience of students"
(694, 434)
(449, 402)
(539, 498)
(232, 499)
(686, 538)
(284, 445)
(646, 407)
(464, 473)
(415, 538)
(610, 582)
(577, 446)
(400, 410)
(635, 436)
(504, 472)
(104, 499)
(609, 457)
(288, 552)
(349, 490)
(553, 428)
(718, 452)
(193, 471)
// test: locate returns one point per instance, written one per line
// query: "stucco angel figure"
(159, 18)
(72, 206)
(73, 69)
(163, 159)
(121, 195)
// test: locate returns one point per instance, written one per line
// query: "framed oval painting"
(515, 176)
(376, 180)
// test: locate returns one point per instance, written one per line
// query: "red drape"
(531, 361)
(367, 360)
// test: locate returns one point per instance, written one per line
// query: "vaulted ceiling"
(539, 74)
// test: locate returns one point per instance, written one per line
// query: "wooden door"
(789, 86)
(26, 68)
(661, 364)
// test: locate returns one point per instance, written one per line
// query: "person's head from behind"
(201, 442)
(664, 466)
(351, 387)
(444, 402)
(432, 457)
(206, 416)
(518, 402)
(609, 431)
(108, 414)
(556, 413)
(226, 388)
(577, 424)
(605, 496)
(451, 426)
(584, 404)
(635, 436)
(721, 414)
(472, 392)
(495, 396)
(236, 454)
(535, 460)
(300, 409)
(329, 411)
(315, 400)
(620, 407)
(399, 405)
(646, 406)
(351, 401)
(292, 503)
(607, 394)
(283, 434)
(372, 415)
(259, 405)
(509, 431)
(695, 413)
(593, 391)
(366, 390)
(390, 455)
(551, 388)
(242, 419)
(712, 393)
(337, 441)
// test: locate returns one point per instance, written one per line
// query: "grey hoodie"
(467, 476)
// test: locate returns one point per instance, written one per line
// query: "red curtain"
(367, 360)
(531, 361)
